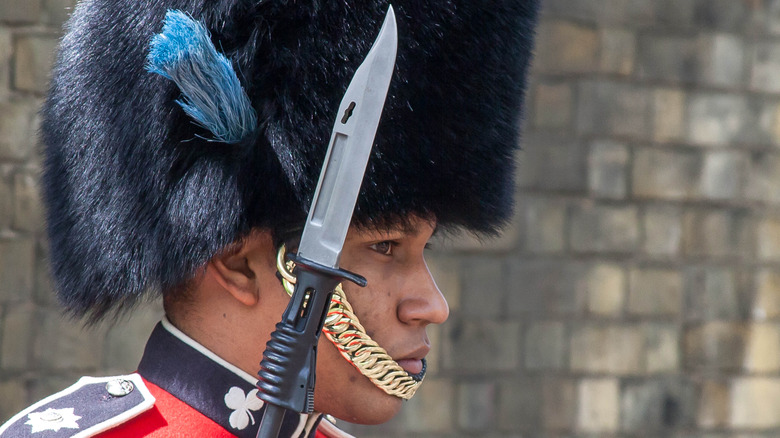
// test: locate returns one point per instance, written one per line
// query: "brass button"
(50, 416)
(119, 387)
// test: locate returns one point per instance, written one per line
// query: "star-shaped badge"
(53, 419)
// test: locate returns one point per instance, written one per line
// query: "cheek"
(374, 307)
(342, 391)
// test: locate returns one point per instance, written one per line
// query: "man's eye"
(385, 248)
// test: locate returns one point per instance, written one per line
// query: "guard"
(183, 146)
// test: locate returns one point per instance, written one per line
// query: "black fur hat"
(138, 195)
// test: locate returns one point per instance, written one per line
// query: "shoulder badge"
(91, 406)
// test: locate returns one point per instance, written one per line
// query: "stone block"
(768, 124)
(765, 62)
(545, 345)
(668, 58)
(566, 47)
(28, 211)
(706, 233)
(35, 56)
(14, 396)
(45, 384)
(615, 108)
(662, 229)
(606, 286)
(559, 404)
(16, 337)
(477, 346)
(598, 405)
(655, 292)
(466, 242)
(717, 233)
(666, 174)
(477, 406)
(553, 105)
(753, 403)
(766, 303)
(519, 406)
(715, 346)
(614, 349)
(763, 177)
(767, 17)
(608, 170)
(662, 348)
(674, 13)
(546, 287)
(545, 222)
(57, 12)
(18, 125)
(586, 10)
(484, 287)
(6, 54)
(611, 12)
(20, 11)
(716, 119)
(722, 62)
(126, 338)
(657, 405)
(722, 15)
(431, 409)
(669, 114)
(446, 272)
(6, 198)
(722, 175)
(17, 259)
(552, 162)
(65, 344)
(711, 294)
(713, 409)
(43, 289)
(762, 353)
(768, 240)
(604, 228)
(618, 51)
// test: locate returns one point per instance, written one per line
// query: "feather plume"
(212, 93)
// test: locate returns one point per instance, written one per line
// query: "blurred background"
(637, 291)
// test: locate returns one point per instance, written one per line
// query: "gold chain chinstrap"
(344, 330)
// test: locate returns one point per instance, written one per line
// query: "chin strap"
(344, 330)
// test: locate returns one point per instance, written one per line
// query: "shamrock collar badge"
(242, 407)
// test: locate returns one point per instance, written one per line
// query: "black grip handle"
(286, 377)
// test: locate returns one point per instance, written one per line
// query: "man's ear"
(241, 268)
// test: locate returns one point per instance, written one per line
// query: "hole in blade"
(348, 112)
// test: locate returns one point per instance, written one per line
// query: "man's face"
(400, 300)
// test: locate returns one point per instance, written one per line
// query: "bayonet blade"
(350, 146)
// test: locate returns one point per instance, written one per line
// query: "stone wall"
(637, 291)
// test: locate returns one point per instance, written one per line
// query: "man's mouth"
(415, 367)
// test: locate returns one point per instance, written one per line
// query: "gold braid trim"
(344, 330)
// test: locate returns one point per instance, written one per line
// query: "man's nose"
(424, 304)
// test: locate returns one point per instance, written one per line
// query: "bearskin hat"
(139, 196)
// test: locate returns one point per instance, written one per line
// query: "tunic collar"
(212, 386)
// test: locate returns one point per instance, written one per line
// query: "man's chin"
(376, 408)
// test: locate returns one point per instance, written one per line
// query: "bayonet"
(286, 378)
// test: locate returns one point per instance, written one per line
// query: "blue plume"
(212, 93)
